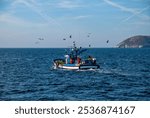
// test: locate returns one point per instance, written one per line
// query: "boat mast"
(74, 44)
(75, 50)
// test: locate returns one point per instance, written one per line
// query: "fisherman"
(71, 60)
(78, 60)
(90, 58)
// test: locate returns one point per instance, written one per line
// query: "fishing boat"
(73, 61)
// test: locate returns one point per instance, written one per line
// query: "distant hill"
(135, 42)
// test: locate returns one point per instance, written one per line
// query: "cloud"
(123, 8)
(10, 19)
(81, 17)
(138, 13)
(33, 5)
(68, 4)
(133, 11)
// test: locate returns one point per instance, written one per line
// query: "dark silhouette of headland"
(135, 42)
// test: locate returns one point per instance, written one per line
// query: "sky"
(23, 23)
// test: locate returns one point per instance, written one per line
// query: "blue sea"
(27, 74)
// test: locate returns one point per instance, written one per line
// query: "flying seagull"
(41, 38)
(36, 42)
(88, 34)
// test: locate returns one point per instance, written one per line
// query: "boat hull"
(77, 67)
(88, 67)
(70, 68)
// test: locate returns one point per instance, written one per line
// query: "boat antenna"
(41, 38)
(74, 44)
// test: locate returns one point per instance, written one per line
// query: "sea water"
(27, 74)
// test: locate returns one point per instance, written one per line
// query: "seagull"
(107, 41)
(88, 34)
(41, 38)
(70, 36)
(36, 42)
